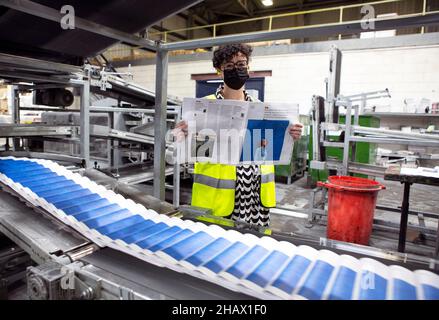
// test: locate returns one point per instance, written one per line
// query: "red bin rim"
(352, 184)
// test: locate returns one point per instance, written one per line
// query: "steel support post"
(312, 197)
(85, 122)
(404, 217)
(315, 128)
(15, 112)
(436, 250)
(356, 122)
(333, 85)
(176, 175)
(347, 139)
(161, 88)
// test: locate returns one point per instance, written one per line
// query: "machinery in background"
(331, 149)
(55, 97)
(364, 153)
(13, 263)
(299, 159)
(111, 131)
(345, 144)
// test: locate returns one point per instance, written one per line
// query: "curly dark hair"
(225, 53)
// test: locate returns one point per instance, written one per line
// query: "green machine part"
(365, 151)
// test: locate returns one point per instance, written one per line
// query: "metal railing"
(214, 27)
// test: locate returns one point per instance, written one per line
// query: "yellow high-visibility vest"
(214, 186)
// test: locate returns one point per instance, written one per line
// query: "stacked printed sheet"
(261, 267)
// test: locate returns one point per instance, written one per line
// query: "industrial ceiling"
(27, 35)
(214, 11)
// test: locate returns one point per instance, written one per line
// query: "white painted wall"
(411, 72)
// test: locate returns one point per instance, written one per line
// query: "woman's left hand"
(295, 131)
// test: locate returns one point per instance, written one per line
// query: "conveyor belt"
(260, 267)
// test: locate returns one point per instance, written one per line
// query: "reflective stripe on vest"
(269, 177)
(214, 183)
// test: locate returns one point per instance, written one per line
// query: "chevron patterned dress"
(248, 206)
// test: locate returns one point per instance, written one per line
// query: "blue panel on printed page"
(158, 237)
(64, 204)
(95, 213)
(265, 272)
(38, 177)
(125, 232)
(188, 246)
(142, 234)
(227, 257)
(250, 260)
(119, 225)
(86, 207)
(23, 171)
(315, 282)
(107, 219)
(293, 272)
(55, 186)
(43, 182)
(20, 175)
(208, 252)
(68, 195)
(343, 287)
(402, 290)
(69, 187)
(170, 241)
(373, 287)
(430, 292)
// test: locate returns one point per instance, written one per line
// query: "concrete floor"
(297, 195)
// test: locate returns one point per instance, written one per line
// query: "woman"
(243, 192)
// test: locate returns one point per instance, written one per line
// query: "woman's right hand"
(180, 130)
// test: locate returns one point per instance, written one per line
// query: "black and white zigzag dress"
(248, 206)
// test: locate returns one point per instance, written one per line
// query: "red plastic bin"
(351, 207)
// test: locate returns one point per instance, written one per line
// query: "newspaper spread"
(237, 132)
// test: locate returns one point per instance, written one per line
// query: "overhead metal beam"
(206, 13)
(231, 14)
(170, 33)
(247, 5)
(48, 13)
(308, 31)
(301, 5)
(197, 19)
(21, 76)
(37, 64)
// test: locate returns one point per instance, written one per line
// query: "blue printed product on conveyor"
(252, 263)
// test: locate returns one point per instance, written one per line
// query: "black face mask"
(235, 78)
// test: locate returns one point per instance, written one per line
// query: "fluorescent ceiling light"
(267, 3)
